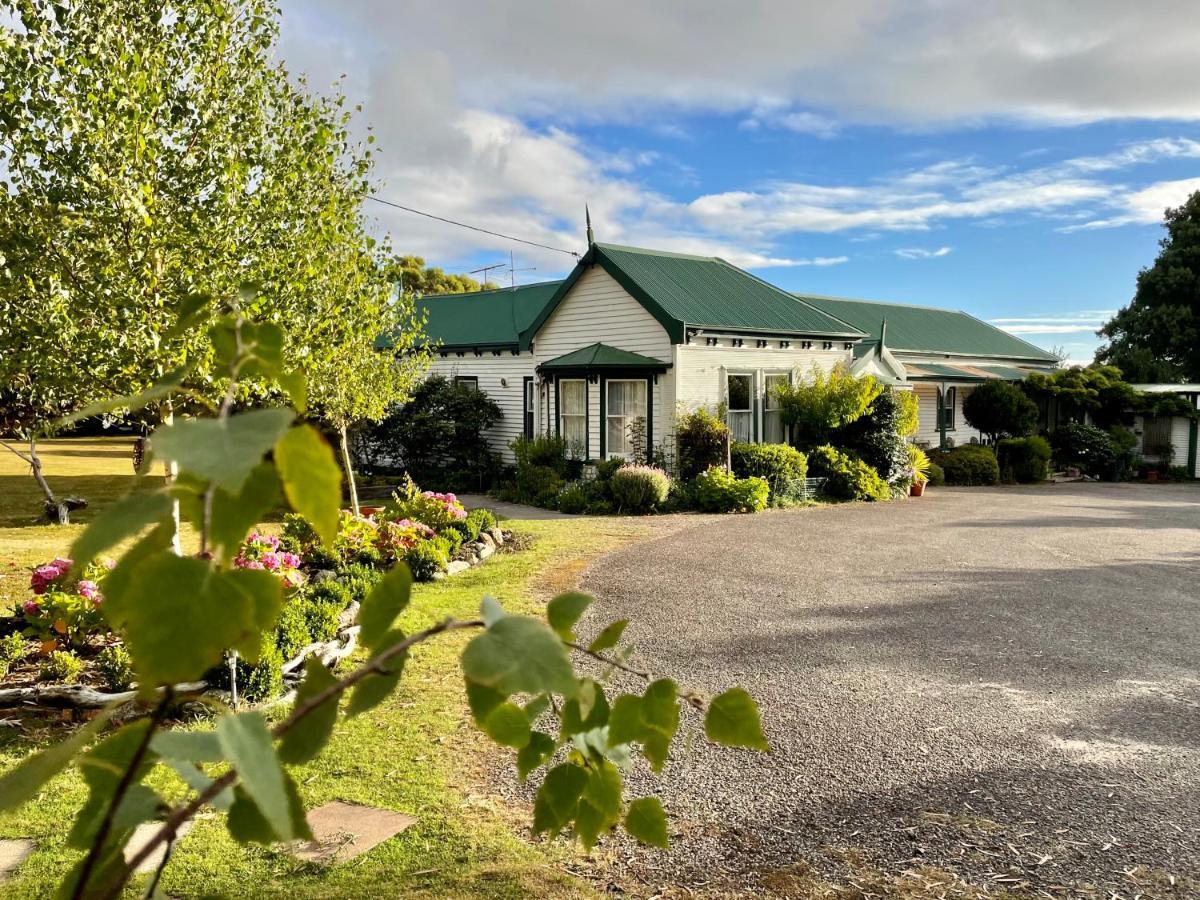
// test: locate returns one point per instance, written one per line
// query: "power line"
(507, 237)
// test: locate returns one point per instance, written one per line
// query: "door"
(773, 429)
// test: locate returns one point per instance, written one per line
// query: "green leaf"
(247, 824)
(118, 584)
(574, 721)
(126, 517)
(193, 310)
(646, 821)
(165, 385)
(296, 388)
(609, 637)
(539, 749)
(374, 689)
(518, 654)
(380, 608)
(491, 611)
(312, 479)
(248, 746)
(102, 768)
(223, 451)
(651, 720)
(25, 779)
(507, 725)
(199, 782)
(482, 700)
(557, 799)
(180, 614)
(732, 720)
(306, 738)
(600, 805)
(536, 707)
(564, 611)
(193, 746)
(234, 514)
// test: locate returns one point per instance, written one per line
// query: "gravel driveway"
(998, 684)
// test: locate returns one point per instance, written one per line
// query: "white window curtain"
(740, 413)
(572, 415)
(773, 430)
(625, 404)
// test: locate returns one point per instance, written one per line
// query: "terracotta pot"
(916, 489)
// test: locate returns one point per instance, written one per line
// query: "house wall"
(598, 309)
(1179, 441)
(491, 370)
(928, 432)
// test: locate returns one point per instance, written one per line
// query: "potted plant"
(918, 463)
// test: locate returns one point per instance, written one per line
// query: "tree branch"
(127, 780)
(694, 699)
(375, 665)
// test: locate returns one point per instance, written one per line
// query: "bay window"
(625, 404)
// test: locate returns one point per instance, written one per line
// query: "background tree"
(1000, 409)
(880, 435)
(823, 402)
(1156, 338)
(154, 154)
(412, 276)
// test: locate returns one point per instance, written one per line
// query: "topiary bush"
(428, 558)
(481, 520)
(574, 498)
(1000, 409)
(358, 579)
(264, 679)
(291, 629)
(846, 476)
(700, 439)
(936, 475)
(640, 489)
(783, 467)
(970, 464)
(1024, 460)
(716, 490)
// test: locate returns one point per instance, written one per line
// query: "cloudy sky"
(1010, 159)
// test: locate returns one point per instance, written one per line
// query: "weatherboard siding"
(928, 432)
(699, 370)
(490, 370)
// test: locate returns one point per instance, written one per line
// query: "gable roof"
(925, 329)
(683, 291)
(602, 356)
(493, 318)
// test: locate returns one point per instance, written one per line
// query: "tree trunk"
(349, 469)
(35, 464)
(171, 474)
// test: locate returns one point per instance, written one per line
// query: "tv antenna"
(513, 270)
(485, 270)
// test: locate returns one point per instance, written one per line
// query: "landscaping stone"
(497, 536)
(324, 575)
(13, 852)
(457, 566)
(141, 837)
(485, 551)
(486, 540)
(343, 831)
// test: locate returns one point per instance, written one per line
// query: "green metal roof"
(484, 318)
(602, 356)
(924, 329)
(683, 291)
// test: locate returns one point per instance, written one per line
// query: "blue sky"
(1012, 161)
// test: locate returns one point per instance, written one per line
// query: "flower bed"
(59, 636)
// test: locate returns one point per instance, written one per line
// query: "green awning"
(945, 372)
(603, 357)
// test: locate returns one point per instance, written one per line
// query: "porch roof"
(602, 356)
(943, 372)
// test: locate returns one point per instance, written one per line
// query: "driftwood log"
(77, 696)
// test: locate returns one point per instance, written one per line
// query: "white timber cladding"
(1176, 428)
(701, 371)
(928, 432)
(500, 377)
(598, 310)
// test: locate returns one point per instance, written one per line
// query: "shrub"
(877, 437)
(918, 465)
(428, 558)
(607, 468)
(600, 507)
(970, 464)
(298, 535)
(427, 507)
(440, 435)
(783, 467)
(573, 499)
(716, 490)
(357, 579)
(454, 541)
(1000, 409)
(482, 520)
(538, 485)
(322, 605)
(395, 538)
(544, 450)
(1089, 448)
(61, 665)
(1023, 460)
(823, 402)
(937, 475)
(291, 629)
(13, 647)
(115, 665)
(701, 438)
(639, 489)
(264, 679)
(846, 476)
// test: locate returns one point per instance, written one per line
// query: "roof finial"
(882, 335)
(591, 238)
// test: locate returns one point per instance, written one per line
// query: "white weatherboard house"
(1179, 433)
(634, 333)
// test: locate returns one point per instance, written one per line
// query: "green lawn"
(416, 753)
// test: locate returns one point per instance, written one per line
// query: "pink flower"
(88, 589)
(43, 577)
(242, 563)
(63, 565)
(109, 563)
(290, 560)
(450, 498)
(30, 608)
(271, 560)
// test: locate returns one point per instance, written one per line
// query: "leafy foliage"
(701, 439)
(1000, 409)
(877, 436)
(61, 665)
(1157, 336)
(818, 405)
(1089, 448)
(970, 464)
(716, 490)
(1023, 460)
(846, 476)
(784, 468)
(640, 489)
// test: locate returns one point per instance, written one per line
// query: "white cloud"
(1084, 321)
(1143, 207)
(1050, 329)
(921, 252)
